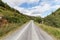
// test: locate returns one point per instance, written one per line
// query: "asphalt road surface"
(29, 32)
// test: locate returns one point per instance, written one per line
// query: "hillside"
(10, 19)
(51, 24)
(53, 19)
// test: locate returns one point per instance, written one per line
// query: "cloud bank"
(34, 7)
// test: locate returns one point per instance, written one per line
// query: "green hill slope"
(10, 19)
(51, 24)
(53, 19)
(10, 13)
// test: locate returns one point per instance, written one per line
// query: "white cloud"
(18, 2)
(31, 1)
(14, 2)
(56, 6)
(57, 0)
(39, 9)
(22, 10)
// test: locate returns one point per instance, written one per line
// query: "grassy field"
(55, 32)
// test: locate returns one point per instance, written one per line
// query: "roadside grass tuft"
(55, 32)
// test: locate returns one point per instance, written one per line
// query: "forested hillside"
(53, 19)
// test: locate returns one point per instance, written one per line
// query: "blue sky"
(29, 5)
(34, 7)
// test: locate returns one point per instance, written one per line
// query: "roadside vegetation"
(53, 31)
(51, 24)
(10, 19)
(53, 19)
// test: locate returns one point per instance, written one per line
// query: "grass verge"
(8, 28)
(55, 32)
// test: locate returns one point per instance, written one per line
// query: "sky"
(40, 8)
